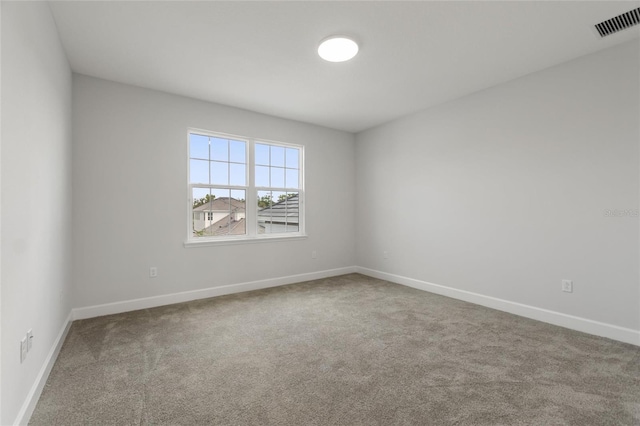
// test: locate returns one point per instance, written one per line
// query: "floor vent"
(619, 23)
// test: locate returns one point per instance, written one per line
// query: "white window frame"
(251, 191)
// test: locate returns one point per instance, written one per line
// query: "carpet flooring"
(348, 350)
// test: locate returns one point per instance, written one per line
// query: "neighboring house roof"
(222, 204)
(286, 209)
(224, 227)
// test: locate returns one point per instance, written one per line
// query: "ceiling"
(261, 56)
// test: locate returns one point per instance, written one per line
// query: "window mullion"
(252, 195)
(229, 164)
(209, 163)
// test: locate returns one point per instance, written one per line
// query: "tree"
(267, 200)
(283, 197)
(264, 201)
(204, 200)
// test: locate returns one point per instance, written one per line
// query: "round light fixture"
(337, 49)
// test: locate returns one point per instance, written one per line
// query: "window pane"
(277, 156)
(264, 199)
(262, 176)
(220, 194)
(199, 146)
(262, 154)
(199, 194)
(221, 210)
(278, 212)
(225, 204)
(237, 152)
(278, 196)
(277, 177)
(235, 225)
(198, 171)
(238, 174)
(281, 215)
(200, 208)
(292, 158)
(264, 212)
(291, 178)
(219, 173)
(293, 212)
(222, 225)
(240, 195)
(219, 149)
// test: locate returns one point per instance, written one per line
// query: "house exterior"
(220, 217)
(227, 216)
(283, 216)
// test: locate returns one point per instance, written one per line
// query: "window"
(243, 189)
(277, 181)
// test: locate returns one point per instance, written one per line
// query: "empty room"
(320, 213)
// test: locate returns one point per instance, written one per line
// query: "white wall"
(130, 196)
(503, 192)
(36, 194)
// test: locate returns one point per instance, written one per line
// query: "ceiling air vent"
(619, 23)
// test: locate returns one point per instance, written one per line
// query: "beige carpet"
(348, 350)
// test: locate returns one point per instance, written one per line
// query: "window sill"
(244, 240)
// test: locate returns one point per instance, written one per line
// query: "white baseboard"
(30, 402)
(185, 296)
(584, 325)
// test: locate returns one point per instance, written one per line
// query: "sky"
(219, 161)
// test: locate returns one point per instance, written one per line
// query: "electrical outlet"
(567, 286)
(29, 339)
(314, 254)
(23, 349)
(153, 272)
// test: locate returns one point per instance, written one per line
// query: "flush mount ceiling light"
(337, 49)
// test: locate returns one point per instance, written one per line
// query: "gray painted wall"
(130, 196)
(36, 194)
(504, 192)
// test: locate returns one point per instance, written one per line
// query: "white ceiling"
(261, 56)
